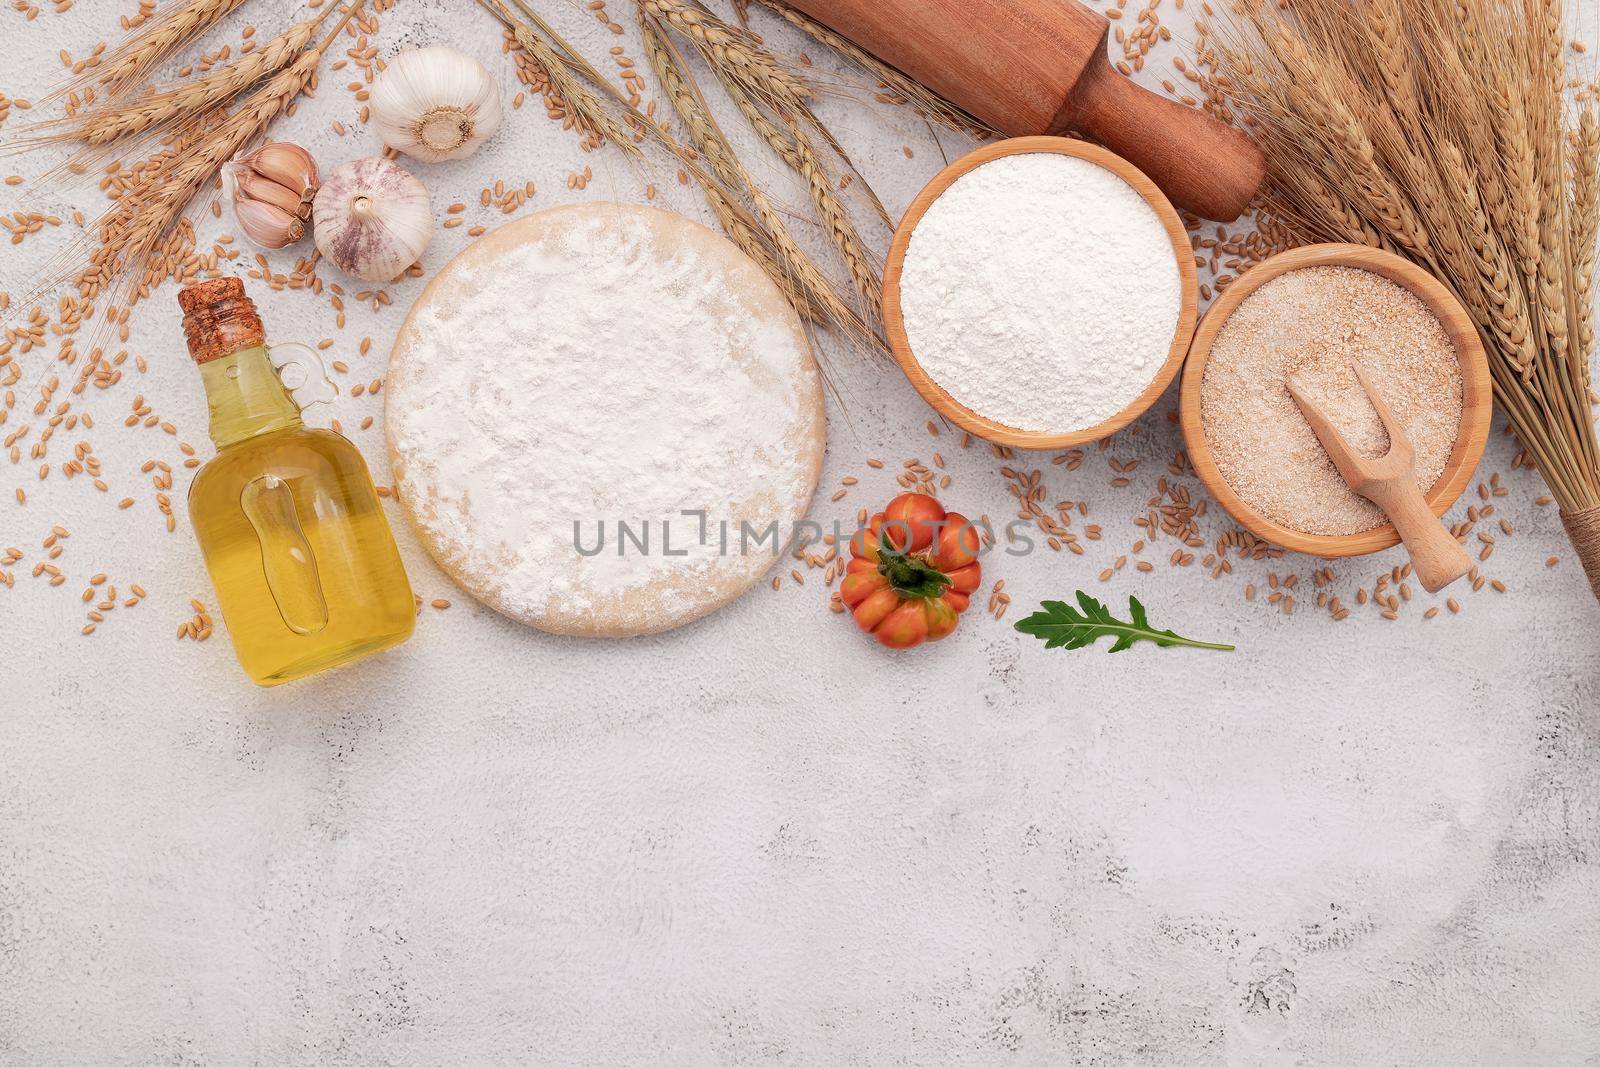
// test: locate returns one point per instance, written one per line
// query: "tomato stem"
(912, 576)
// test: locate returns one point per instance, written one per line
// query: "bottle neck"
(245, 397)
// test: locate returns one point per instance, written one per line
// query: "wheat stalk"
(858, 260)
(125, 68)
(1496, 301)
(766, 240)
(1442, 129)
(783, 139)
(795, 149)
(783, 124)
(755, 101)
(687, 103)
(898, 87)
(709, 140)
(734, 49)
(1584, 164)
(104, 125)
(591, 114)
(743, 230)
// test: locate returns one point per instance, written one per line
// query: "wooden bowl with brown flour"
(1307, 313)
(1040, 293)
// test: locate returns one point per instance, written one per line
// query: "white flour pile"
(612, 363)
(1042, 292)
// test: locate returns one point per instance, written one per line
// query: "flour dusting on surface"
(1041, 291)
(612, 365)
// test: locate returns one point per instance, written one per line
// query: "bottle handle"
(303, 374)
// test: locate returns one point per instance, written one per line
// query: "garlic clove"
(249, 185)
(287, 164)
(435, 104)
(230, 180)
(268, 225)
(373, 219)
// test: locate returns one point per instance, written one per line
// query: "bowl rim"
(963, 416)
(1477, 393)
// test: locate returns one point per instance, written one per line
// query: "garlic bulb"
(435, 104)
(271, 191)
(373, 219)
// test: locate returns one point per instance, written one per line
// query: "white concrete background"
(761, 839)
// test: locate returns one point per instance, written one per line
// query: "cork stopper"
(219, 319)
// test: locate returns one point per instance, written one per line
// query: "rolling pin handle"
(1204, 165)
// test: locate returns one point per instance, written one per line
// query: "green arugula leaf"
(1058, 626)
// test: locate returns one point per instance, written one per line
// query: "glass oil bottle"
(306, 571)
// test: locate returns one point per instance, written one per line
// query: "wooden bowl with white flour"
(1278, 467)
(1040, 293)
(588, 407)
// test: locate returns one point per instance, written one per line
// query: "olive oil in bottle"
(306, 571)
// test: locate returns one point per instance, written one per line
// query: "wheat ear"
(709, 140)
(741, 228)
(795, 149)
(125, 68)
(733, 48)
(1497, 301)
(1583, 162)
(104, 125)
(590, 112)
(752, 99)
(894, 87)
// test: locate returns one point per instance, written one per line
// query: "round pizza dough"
(596, 367)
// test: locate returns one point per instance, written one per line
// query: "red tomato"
(942, 616)
(914, 517)
(912, 571)
(860, 584)
(904, 627)
(957, 544)
(966, 579)
(877, 607)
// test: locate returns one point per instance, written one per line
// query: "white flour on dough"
(596, 365)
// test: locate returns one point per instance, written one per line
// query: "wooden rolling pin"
(1040, 67)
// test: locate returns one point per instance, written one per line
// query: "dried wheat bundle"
(125, 68)
(564, 71)
(798, 272)
(100, 126)
(783, 118)
(129, 238)
(734, 48)
(1446, 130)
(758, 229)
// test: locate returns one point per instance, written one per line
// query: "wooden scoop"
(1390, 481)
(1031, 67)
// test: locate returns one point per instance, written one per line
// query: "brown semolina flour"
(1311, 324)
